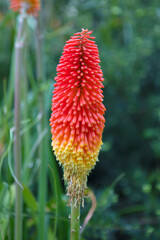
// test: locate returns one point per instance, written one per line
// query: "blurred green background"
(126, 180)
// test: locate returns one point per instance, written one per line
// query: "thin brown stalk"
(91, 211)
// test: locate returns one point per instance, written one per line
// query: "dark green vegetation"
(126, 180)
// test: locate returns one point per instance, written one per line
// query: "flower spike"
(32, 6)
(77, 120)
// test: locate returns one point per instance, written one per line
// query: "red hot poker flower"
(77, 120)
(32, 6)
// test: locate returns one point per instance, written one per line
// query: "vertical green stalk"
(17, 138)
(43, 166)
(26, 135)
(75, 222)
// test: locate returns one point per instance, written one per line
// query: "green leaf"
(30, 199)
(31, 22)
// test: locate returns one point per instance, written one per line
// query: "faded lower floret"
(75, 188)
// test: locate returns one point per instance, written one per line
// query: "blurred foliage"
(128, 36)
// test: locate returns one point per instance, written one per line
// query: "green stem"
(17, 138)
(75, 222)
(25, 115)
(42, 147)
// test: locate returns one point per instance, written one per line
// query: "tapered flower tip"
(32, 7)
(77, 120)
